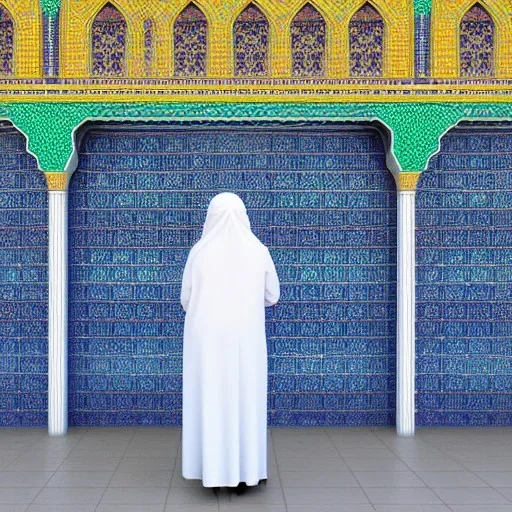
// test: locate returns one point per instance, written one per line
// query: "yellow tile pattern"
(28, 35)
(446, 18)
(78, 15)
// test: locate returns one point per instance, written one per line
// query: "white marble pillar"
(58, 305)
(406, 299)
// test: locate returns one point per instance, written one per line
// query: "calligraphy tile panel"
(464, 280)
(319, 197)
(23, 284)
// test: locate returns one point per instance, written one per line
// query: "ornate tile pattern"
(308, 43)
(323, 201)
(477, 43)
(6, 42)
(23, 285)
(109, 43)
(251, 39)
(149, 46)
(464, 280)
(366, 32)
(190, 43)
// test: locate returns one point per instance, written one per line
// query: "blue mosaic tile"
(137, 205)
(464, 280)
(23, 285)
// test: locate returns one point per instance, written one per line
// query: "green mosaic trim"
(422, 6)
(415, 128)
(50, 7)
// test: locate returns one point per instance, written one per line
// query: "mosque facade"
(372, 144)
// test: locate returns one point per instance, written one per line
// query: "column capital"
(57, 181)
(407, 181)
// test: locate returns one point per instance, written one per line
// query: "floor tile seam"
(489, 486)
(53, 473)
(415, 473)
(20, 454)
(113, 472)
(174, 471)
(442, 501)
(386, 445)
(353, 475)
(497, 489)
(278, 471)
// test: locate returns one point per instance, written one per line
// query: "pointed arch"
(251, 42)
(108, 40)
(6, 42)
(190, 42)
(476, 43)
(308, 40)
(366, 42)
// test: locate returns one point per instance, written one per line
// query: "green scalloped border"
(415, 128)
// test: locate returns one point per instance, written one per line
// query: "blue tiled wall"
(320, 198)
(23, 285)
(464, 280)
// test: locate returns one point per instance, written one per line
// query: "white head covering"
(226, 219)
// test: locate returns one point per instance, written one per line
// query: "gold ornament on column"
(57, 181)
(407, 181)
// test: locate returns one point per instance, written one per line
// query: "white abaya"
(228, 280)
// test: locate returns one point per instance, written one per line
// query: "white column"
(58, 314)
(406, 332)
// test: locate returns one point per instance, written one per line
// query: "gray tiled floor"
(310, 470)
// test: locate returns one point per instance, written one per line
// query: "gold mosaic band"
(57, 181)
(407, 181)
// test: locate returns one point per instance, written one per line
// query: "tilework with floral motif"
(190, 42)
(366, 43)
(476, 43)
(6, 43)
(109, 43)
(251, 36)
(308, 43)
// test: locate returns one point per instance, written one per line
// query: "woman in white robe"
(228, 280)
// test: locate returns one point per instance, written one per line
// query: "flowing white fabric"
(228, 280)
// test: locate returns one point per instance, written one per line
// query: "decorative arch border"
(445, 38)
(201, 5)
(385, 42)
(76, 21)
(28, 37)
(330, 31)
(273, 34)
(90, 22)
(398, 50)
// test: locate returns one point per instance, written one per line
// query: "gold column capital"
(57, 181)
(407, 181)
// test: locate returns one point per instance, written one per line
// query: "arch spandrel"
(446, 20)
(28, 55)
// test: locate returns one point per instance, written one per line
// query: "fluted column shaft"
(406, 293)
(58, 306)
